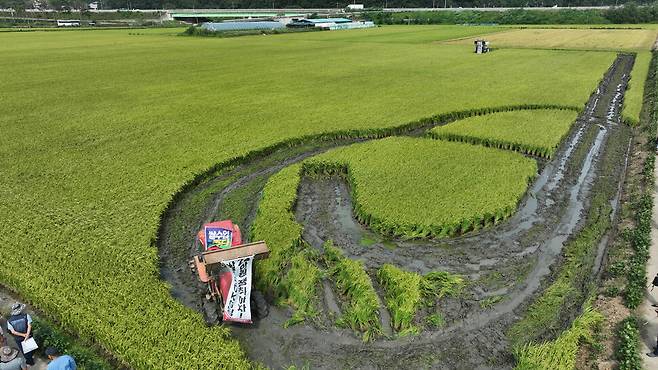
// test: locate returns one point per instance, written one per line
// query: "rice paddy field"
(484, 185)
(116, 144)
(583, 39)
(536, 132)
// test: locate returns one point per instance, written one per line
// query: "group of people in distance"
(19, 325)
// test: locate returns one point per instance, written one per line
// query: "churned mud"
(506, 266)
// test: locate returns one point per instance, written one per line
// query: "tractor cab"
(224, 264)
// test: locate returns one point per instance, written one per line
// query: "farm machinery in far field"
(481, 46)
(224, 264)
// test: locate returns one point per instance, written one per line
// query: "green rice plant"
(362, 307)
(301, 284)
(47, 335)
(634, 96)
(406, 292)
(439, 284)
(436, 320)
(489, 302)
(397, 192)
(275, 223)
(559, 354)
(403, 295)
(536, 132)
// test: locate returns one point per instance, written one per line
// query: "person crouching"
(59, 361)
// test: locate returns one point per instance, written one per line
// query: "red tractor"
(224, 264)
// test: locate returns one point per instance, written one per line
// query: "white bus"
(68, 23)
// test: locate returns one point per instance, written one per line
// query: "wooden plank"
(257, 249)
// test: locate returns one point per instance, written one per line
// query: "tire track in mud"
(550, 213)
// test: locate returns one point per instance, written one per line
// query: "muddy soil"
(510, 262)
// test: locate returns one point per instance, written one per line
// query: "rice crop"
(559, 354)
(403, 296)
(362, 307)
(397, 191)
(406, 292)
(276, 224)
(300, 284)
(634, 96)
(101, 129)
(536, 132)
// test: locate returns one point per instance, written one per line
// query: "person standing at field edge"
(59, 362)
(9, 359)
(19, 325)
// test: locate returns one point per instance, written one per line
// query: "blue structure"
(241, 26)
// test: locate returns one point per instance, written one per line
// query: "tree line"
(255, 4)
(630, 12)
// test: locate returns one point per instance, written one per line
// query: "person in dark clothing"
(20, 327)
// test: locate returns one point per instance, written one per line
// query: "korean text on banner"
(218, 237)
(238, 307)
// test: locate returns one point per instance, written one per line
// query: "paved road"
(647, 312)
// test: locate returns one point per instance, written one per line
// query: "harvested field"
(577, 39)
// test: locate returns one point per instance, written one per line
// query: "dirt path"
(648, 313)
(524, 251)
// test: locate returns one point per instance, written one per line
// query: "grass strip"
(640, 236)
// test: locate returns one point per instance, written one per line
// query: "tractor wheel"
(211, 313)
(259, 307)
